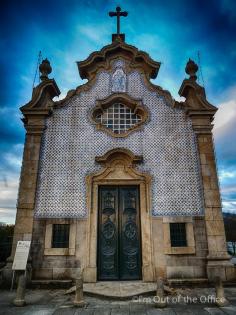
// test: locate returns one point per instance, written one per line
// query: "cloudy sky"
(67, 31)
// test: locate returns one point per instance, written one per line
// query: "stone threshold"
(117, 289)
(120, 289)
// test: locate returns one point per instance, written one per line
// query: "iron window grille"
(60, 236)
(178, 234)
(119, 118)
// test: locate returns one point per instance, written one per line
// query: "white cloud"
(229, 189)
(229, 206)
(12, 159)
(8, 190)
(225, 130)
(224, 174)
(7, 215)
(225, 113)
(94, 32)
(9, 183)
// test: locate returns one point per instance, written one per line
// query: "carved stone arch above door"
(118, 168)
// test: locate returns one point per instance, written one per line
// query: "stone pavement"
(56, 302)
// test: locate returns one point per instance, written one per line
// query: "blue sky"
(68, 31)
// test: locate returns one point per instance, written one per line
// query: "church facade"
(119, 179)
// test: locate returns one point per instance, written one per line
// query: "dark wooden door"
(119, 250)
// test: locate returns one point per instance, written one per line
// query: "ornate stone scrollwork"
(118, 114)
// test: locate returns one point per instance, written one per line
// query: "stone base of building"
(227, 273)
(65, 277)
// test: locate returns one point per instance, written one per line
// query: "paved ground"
(56, 302)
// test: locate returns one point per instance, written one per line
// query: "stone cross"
(118, 14)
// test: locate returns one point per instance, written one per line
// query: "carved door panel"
(119, 252)
(129, 249)
(108, 234)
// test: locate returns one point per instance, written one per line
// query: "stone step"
(51, 284)
(117, 289)
(199, 282)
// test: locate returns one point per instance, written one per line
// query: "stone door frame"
(119, 218)
(118, 169)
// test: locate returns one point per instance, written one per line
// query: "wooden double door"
(119, 245)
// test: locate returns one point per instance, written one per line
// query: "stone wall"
(53, 266)
(186, 265)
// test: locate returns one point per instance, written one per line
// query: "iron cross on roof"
(118, 14)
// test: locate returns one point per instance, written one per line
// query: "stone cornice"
(195, 98)
(42, 94)
(110, 155)
(40, 106)
(88, 67)
(196, 106)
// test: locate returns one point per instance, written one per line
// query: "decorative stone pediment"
(118, 170)
(120, 153)
(119, 165)
(101, 59)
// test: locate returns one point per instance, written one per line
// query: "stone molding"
(128, 68)
(112, 154)
(49, 250)
(190, 248)
(119, 170)
(99, 59)
(135, 105)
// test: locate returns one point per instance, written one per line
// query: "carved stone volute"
(196, 105)
(40, 106)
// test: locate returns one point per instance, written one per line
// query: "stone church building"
(118, 178)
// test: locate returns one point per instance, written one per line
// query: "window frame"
(135, 106)
(119, 118)
(55, 229)
(53, 251)
(179, 250)
(178, 236)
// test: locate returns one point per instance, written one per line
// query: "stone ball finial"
(45, 68)
(191, 69)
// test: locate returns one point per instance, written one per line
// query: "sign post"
(19, 264)
(21, 255)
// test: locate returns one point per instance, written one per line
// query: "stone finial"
(191, 69)
(45, 68)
